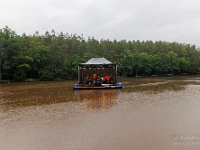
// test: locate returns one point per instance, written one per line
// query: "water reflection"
(14, 95)
(33, 94)
(98, 98)
(157, 85)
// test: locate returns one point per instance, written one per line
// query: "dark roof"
(97, 61)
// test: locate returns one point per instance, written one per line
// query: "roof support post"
(78, 74)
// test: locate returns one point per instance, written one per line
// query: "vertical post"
(78, 74)
(116, 74)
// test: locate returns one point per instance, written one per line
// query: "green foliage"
(45, 75)
(53, 57)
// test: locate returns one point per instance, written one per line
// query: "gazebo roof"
(97, 61)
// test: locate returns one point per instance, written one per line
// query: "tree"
(126, 63)
(173, 63)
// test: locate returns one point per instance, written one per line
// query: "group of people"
(105, 79)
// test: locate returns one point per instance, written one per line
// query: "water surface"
(148, 114)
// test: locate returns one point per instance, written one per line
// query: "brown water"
(147, 114)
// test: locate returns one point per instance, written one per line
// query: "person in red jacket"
(107, 78)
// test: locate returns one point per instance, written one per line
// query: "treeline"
(53, 56)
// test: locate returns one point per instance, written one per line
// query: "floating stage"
(97, 73)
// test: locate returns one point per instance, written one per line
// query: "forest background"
(55, 56)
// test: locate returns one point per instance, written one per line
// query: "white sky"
(165, 20)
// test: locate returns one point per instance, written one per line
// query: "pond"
(148, 114)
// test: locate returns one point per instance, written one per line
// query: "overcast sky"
(165, 20)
